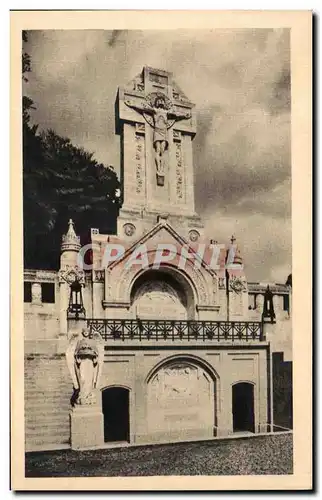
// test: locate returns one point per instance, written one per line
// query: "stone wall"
(136, 370)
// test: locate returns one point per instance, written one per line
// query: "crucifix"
(160, 114)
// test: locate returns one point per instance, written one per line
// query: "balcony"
(168, 331)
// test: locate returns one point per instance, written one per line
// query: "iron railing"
(176, 330)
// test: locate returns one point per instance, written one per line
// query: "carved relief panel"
(140, 160)
(180, 188)
(180, 396)
(238, 295)
(158, 300)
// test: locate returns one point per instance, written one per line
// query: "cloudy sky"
(240, 83)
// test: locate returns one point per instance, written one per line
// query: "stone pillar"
(189, 181)
(64, 291)
(97, 297)
(86, 426)
(224, 410)
(140, 406)
(69, 271)
(36, 294)
(262, 388)
(260, 303)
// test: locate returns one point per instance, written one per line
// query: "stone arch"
(193, 359)
(243, 381)
(109, 386)
(195, 278)
(182, 398)
(168, 284)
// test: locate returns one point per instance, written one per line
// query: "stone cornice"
(115, 304)
(40, 275)
(275, 288)
(208, 308)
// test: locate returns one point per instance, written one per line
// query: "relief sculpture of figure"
(85, 359)
(158, 111)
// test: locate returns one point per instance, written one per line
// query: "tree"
(60, 181)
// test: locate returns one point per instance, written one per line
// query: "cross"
(233, 239)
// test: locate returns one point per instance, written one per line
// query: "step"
(47, 447)
(52, 432)
(49, 390)
(41, 421)
(30, 443)
(41, 413)
(44, 417)
(61, 395)
(47, 399)
(46, 406)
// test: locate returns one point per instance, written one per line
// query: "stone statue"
(159, 112)
(84, 357)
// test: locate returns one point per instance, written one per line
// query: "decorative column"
(237, 292)
(36, 294)
(259, 303)
(224, 400)
(140, 400)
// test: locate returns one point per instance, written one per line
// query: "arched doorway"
(116, 411)
(243, 407)
(162, 294)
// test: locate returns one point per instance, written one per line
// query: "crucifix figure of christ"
(158, 111)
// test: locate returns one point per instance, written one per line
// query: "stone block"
(86, 427)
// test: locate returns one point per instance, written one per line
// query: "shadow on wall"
(282, 391)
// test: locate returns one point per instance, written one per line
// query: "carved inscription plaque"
(139, 162)
(181, 396)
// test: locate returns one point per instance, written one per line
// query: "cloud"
(240, 83)
(264, 242)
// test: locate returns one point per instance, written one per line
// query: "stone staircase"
(47, 393)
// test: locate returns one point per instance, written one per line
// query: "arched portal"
(182, 400)
(162, 294)
(243, 407)
(116, 411)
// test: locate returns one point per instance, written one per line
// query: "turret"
(70, 275)
(70, 247)
(236, 284)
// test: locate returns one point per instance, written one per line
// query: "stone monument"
(157, 123)
(85, 357)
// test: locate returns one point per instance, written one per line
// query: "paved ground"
(259, 455)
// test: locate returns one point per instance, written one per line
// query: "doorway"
(115, 405)
(243, 407)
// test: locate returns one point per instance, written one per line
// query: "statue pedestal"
(86, 426)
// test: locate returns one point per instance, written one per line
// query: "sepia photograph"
(156, 202)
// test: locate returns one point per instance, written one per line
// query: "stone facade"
(184, 351)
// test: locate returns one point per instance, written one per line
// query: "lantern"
(76, 307)
(268, 309)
